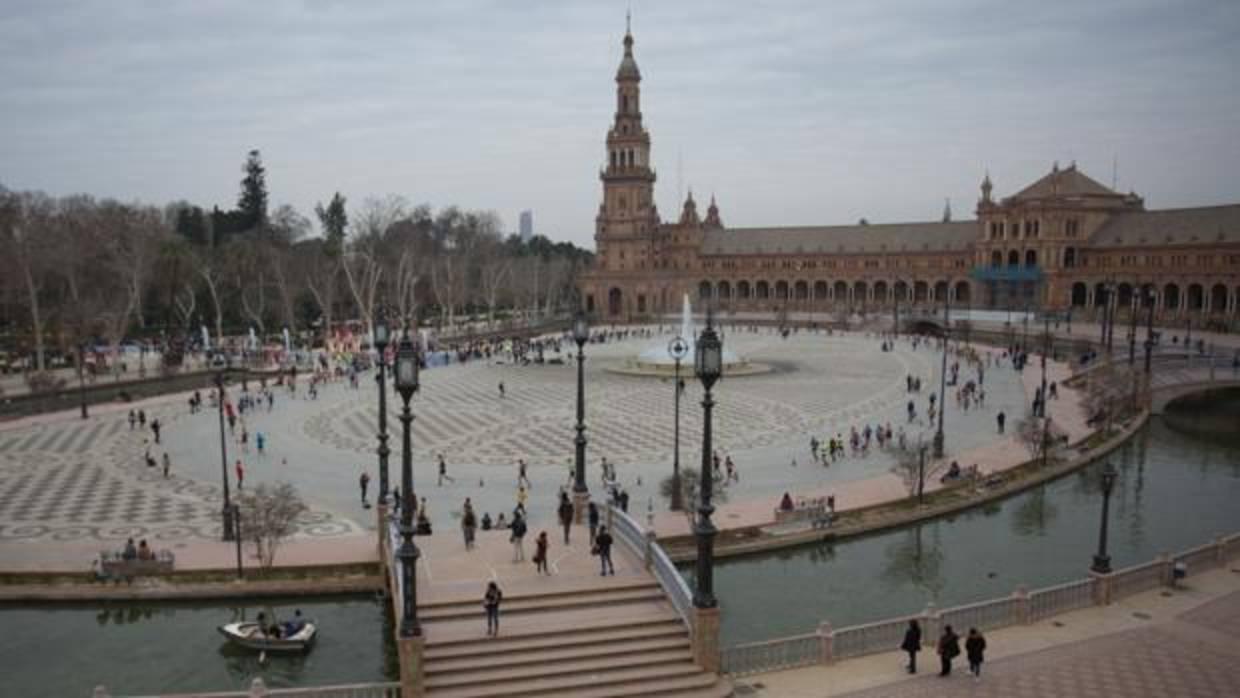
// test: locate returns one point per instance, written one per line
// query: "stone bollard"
(258, 689)
(100, 692)
(1102, 588)
(1021, 611)
(1165, 576)
(826, 643)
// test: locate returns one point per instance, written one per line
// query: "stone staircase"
(614, 637)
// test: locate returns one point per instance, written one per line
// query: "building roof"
(1066, 182)
(628, 66)
(843, 239)
(1175, 226)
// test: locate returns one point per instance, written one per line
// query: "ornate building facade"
(1065, 241)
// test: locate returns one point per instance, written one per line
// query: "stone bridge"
(1175, 377)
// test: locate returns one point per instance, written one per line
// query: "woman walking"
(490, 601)
(540, 553)
(974, 648)
(949, 649)
(602, 544)
(912, 644)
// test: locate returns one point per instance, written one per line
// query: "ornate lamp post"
(677, 349)
(382, 338)
(220, 364)
(81, 368)
(708, 365)
(1102, 561)
(938, 435)
(407, 385)
(581, 493)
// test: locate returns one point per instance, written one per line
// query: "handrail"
(383, 689)
(634, 536)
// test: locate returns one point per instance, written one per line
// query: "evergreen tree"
(335, 221)
(252, 203)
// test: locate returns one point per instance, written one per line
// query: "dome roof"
(628, 67)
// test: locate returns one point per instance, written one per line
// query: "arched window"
(724, 290)
(1069, 257)
(1218, 299)
(801, 290)
(624, 103)
(762, 290)
(996, 259)
(781, 290)
(1014, 258)
(1171, 297)
(1031, 258)
(820, 290)
(742, 290)
(1080, 294)
(1196, 297)
(964, 294)
(704, 291)
(613, 159)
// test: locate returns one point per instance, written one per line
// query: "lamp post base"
(1102, 564)
(581, 502)
(229, 533)
(705, 638)
(938, 444)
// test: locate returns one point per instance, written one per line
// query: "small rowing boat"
(253, 636)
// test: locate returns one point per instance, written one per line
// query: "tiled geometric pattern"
(89, 480)
(1195, 656)
(629, 420)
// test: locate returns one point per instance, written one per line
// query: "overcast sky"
(791, 112)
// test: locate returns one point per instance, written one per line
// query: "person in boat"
(294, 626)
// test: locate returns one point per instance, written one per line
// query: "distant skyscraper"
(527, 225)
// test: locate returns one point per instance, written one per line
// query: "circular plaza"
(67, 481)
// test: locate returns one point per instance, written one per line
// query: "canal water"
(152, 649)
(1178, 485)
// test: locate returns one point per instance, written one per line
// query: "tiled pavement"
(1156, 644)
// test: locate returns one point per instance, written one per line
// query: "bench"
(112, 566)
(814, 511)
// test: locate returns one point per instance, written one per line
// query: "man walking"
(155, 428)
(240, 474)
(521, 475)
(167, 464)
(1000, 419)
(974, 648)
(949, 648)
(364, 482)
(518, 537)
(469, 524)
(912, 644)
(490, 601)
(602, 543)
(565, 511)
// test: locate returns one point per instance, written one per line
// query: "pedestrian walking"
(1000, 419)
(522, 496)
(155, 429)
(133, 419)
(259, 442)
(245, 439)
(490, 601)
(518, 537)
(949, 649)
(469, 524)
(974, 649)
(443, 471)
(521, 478)
(541, 545)
(142, 418)
(592, 517)
(364, 483)
(912, 644)
(565, 512)
(240, 474)
(167, 464)
(602, 546)
(501, 390)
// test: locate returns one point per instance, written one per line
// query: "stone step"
(621, 631)
(580, 622)
(699, 686)
(545, 588)
(673, 639)
(631, 680)
(589, 666)
(551, 602)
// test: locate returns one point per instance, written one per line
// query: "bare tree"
(363, 262)
(915, 466)
(268, 518)
(24, 222)
(1039, 435)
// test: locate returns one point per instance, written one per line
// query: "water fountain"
(657, 359)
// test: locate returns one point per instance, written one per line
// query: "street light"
(382, 338)
(708, 365)
(581, 493)
(1102, 561)
(220, 364)
(407, 385)
(938, 435)
(81, 378)
(678, 348)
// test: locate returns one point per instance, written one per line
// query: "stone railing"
(259, 690)
(643, 544)
(1020, 608)
(395, 571)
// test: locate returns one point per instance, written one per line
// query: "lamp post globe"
(407, 384)
(708, 366)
